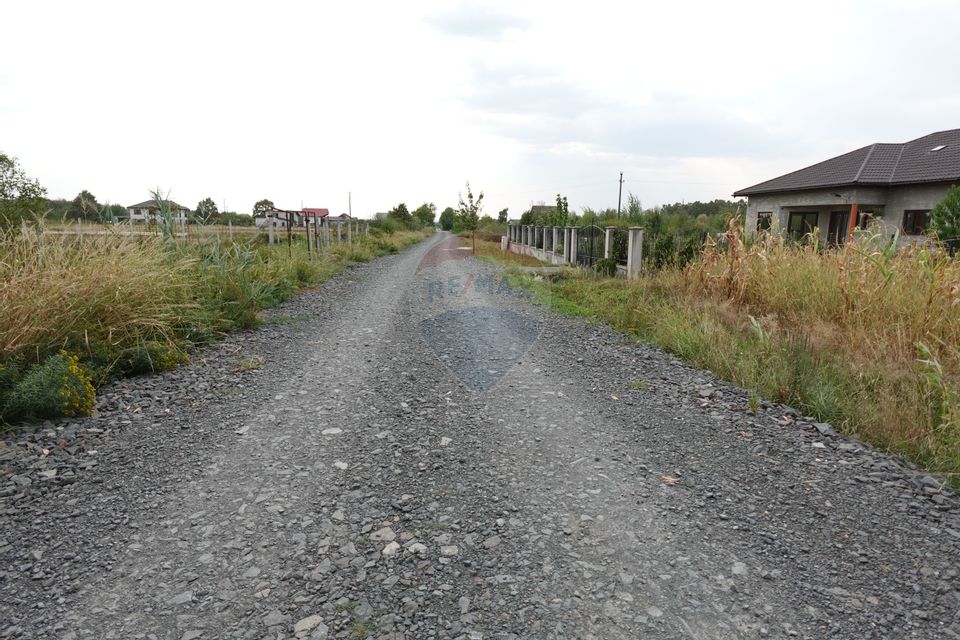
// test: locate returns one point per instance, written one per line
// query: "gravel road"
(414, 450)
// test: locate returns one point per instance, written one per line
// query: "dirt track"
(425, 454)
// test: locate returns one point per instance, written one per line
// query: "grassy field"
(75, 313)
(863, 337)
(488, 248)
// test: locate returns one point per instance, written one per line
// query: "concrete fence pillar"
(547, 237)
(539, 237)
(510, 232)
(573, 245)
(556, 237)
(608, 242)
(634, 252)
(566, 245)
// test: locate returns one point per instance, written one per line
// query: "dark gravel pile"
(422, 453)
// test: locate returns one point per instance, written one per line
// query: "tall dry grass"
(887, 321)
(58, 292)
(862, 336)
(112, 304)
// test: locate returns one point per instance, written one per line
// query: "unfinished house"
(890, 187)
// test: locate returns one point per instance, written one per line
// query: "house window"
(915, 221)
(764, 220)
(801, 223)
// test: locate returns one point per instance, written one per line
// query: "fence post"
(634, 252)
(339, 232)
(350, 232)
(270, 231)
(366, 229)
(608, 242)
(556, 235)
(573, 245)
(566, 245)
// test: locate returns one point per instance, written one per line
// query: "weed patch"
(862, 337)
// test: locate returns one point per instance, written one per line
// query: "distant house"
(540, 211)
(315, 215)
(148, 211)
(299, 218)
(343, 218)
(279, 217)
(892, 185)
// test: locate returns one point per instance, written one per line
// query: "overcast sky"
(405, 101)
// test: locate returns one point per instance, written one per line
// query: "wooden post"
(230, 229)
(852, 223)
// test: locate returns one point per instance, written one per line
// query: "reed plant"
(113, 304)
(863, 336)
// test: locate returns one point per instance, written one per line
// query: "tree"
(945, 219)
(448, 219)
(84, 206)
(468, 214)
(502, 216)
(262, 207)
(563, 209)
(400, 213)
(206, 211)
(426, 213)
(21, 197)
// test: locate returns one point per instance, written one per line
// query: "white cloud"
(405, 101)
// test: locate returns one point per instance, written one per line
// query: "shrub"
(59, 386)
(606, 267)
(945, 219)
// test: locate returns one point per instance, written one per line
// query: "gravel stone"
(514, 460)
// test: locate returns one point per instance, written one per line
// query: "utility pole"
(620, 195)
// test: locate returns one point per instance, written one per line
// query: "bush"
(59, 386)
(606, 267)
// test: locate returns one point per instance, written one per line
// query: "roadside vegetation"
(488, 248)
(76, 313)
(863, 337)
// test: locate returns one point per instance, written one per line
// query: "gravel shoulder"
(414, 450)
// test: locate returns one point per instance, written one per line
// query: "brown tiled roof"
(880, 164)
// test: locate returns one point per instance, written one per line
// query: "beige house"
(891, 187)
(148, 211)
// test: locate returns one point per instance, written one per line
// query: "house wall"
(918, 196)
(894, 200)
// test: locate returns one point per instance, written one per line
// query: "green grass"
(124, 305)
(360, 629)
(907, 409)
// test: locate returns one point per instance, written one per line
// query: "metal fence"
(590, 245)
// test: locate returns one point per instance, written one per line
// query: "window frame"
(911, 216)
(764, 217)
(805, 216)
